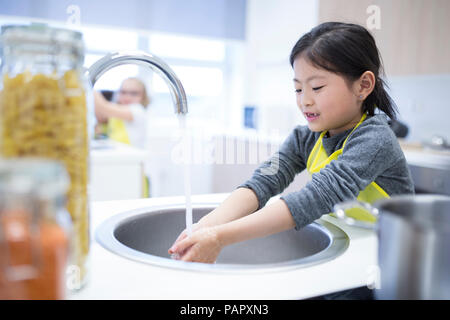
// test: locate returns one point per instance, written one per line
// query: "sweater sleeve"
(369, 151)
(275, 174)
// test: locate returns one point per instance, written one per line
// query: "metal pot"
(413, 244)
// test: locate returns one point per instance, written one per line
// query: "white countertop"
(114, 277)
(428, 159)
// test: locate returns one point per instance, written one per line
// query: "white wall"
(273, 28)
(423, 104)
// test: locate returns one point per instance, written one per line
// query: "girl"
(347, 146)
(126, 120)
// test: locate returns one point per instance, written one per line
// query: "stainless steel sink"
(146, 234)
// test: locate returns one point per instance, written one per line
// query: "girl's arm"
(205, 244)
(105, 109)
(271, 219)
(240, 203)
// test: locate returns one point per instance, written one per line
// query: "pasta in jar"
(44, 115)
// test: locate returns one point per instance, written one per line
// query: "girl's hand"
(183, 235)
(202, 246)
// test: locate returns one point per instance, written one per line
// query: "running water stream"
(187, 171)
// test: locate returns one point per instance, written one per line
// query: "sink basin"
(146, 234)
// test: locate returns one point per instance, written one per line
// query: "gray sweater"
(372, 153)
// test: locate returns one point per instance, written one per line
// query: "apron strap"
(364, 116)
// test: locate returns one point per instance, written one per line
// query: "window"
(198, 62)
(197, 81)
(109, 39)
(209, 69)
(190, 48)
(201, 65)
(100, 41)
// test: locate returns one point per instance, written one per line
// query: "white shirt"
(137, 128)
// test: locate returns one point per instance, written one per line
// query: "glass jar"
(34, 229)
(43, 112)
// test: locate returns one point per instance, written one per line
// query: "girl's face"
(325, 99)
(130, 92)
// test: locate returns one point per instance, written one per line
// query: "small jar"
(43, 113)
(34, 229)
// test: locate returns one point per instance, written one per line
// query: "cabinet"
(116, 171)
(413, 35)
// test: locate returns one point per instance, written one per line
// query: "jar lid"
(42, 177)
(43, 37)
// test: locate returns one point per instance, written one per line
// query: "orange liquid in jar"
(50, 249)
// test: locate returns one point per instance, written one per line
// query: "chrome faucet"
(115, 59)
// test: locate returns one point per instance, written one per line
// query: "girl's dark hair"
(348, 50)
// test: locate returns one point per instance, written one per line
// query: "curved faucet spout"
(115, 59)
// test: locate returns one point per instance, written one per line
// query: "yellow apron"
(117, 131)
(318, 159)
